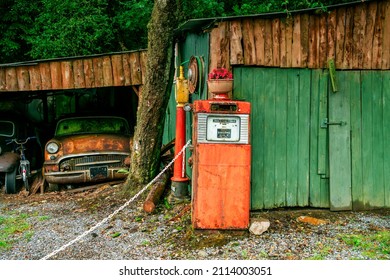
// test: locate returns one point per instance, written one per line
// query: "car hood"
(93, 143)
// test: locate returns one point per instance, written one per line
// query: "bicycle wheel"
(10, 182)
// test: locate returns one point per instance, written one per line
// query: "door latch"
(325, 122)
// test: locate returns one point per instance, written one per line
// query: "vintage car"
(87, 150)
(13, 127)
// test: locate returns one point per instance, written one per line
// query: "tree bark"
(146, 146)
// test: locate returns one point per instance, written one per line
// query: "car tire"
(53, 187)
(10, 182)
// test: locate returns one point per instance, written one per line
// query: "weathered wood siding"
(121, 69)
(356, 37)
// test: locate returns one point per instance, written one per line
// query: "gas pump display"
(221, 164)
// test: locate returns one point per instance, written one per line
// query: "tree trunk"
(146, 146)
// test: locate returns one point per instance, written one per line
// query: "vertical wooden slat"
(98, 71)
(386, 37)
(359, 23)
(220, 47)
(280, 137)
(23, 78)
(3, 82)
(67, 75)
(89, 73)
(108, 79)
(283, 44)
(117, 70)
(268, 48)
(332, 23)
(135, 68)
(348, 43)
(11, 79)
(304, 39)
(289, 41)
(386, 135)
(249, 42)
(78, 73)
(35, 77)
(276, 42)
(323, 42)
(143, 61)
(296, 45)
(377, 40)
(258, 30)
(126, 69)
(56, 74)
(314, 42)
(368, 40)
(236, 50)
(340, 37)
(44, 68)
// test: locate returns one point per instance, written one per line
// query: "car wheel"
(53, 187)
(10, 182)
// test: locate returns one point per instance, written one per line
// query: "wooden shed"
(319, 84)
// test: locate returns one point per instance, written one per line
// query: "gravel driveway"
(54, 219)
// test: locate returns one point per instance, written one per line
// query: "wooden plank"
(368, 39)
(89, 73)
(289, 41)
(377, 42)
(220, 47)
(386, 135)
(248, 42)
(283, 44)
(11, 79)
(98, 71)
(78, 73)
(56, 75)
(108, 79)
(143, 61)
(23, 78)
(356, 141)
(323, 42)
(386, 37)
(332, 23)
(258, 29)
(135, 68)
(340, 147)
(67, 75)
(314, 42)
(296, 43)
(126, 69)
(322, 132)
(348, 43)
(236, 49)
(304, 137)
(276, 42)
(304, 39)
(340, 37)
(280, 137)
(268, 48)
(293, 137)
(3, 83)
(35, 77)
(117, 70)
(44, 69)
(358, 35)
(269, 137)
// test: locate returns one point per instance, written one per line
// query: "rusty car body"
(87, 150)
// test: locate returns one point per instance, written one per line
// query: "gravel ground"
(57, 218)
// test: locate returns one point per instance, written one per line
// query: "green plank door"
(340, 145)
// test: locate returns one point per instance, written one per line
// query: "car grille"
(86, 162)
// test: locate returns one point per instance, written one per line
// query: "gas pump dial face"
(223, 128)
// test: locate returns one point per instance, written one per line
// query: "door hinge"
(325, 122)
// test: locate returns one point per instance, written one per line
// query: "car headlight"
(52, 148)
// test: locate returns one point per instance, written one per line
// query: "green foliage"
(13, 228)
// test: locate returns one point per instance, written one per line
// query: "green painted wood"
(339, 146)
(386, 136)
(322, 132)
(304, 137)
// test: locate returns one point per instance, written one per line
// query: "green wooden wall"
(299, 161)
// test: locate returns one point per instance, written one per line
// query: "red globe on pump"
(221, 164)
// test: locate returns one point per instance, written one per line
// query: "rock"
(259, 225)
(311, 220)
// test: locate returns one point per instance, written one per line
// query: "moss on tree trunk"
(145, 154)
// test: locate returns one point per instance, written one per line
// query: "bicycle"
(24, 163)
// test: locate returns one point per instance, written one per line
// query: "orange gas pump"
(221, 164)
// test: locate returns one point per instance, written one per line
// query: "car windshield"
(7, 128)
(92, 125)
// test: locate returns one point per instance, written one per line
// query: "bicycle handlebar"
(19, 142)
